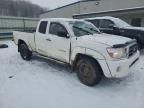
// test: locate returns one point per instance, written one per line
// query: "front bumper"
(122, 68)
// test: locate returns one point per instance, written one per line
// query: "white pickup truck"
(81, 45)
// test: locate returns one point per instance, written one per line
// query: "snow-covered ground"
(40, 83)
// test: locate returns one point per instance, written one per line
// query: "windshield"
(81, 28)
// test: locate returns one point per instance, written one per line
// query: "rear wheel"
(25, 52)
(89, 71)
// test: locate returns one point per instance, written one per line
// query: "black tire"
(139, 46)
(25, 52)
(89, 71)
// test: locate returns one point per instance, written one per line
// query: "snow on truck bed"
(40, 83)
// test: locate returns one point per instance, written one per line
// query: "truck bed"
(26, 37)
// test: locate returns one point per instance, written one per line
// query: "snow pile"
(42, 84)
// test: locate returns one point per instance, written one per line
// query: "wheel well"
(19, 43)
(79, 56)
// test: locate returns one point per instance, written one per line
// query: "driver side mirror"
(63, 34)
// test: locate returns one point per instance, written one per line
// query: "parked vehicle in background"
(117, 26)
(81, 45)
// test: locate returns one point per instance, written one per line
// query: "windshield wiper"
(95, 30)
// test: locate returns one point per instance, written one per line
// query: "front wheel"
(89, 71)
(139, 46)
(25, 52)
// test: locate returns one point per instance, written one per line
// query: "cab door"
(60, 41)
(41, 39)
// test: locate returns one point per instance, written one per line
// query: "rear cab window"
(43, 27)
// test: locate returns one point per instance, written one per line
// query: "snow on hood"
(135, 28)
(107, 39)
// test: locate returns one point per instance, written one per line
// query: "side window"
(95, 22)
(105, 23)
(136, 22)
(57, 28)
(43, 27)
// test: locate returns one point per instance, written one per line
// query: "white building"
(131, 11)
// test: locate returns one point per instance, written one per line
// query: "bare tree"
(20, 8)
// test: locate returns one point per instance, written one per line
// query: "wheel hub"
(86, 72)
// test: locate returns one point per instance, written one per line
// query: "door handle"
(48, 39)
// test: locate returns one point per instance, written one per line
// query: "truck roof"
(119, 22)
(60, 19)
(103, 17)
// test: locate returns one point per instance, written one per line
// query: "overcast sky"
(52, 3)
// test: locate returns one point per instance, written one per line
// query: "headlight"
(117, 53)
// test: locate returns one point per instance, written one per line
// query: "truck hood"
(106, 39)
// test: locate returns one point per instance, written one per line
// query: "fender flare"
(26, 42)
(97, 56)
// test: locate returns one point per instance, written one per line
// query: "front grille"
(132, 50)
